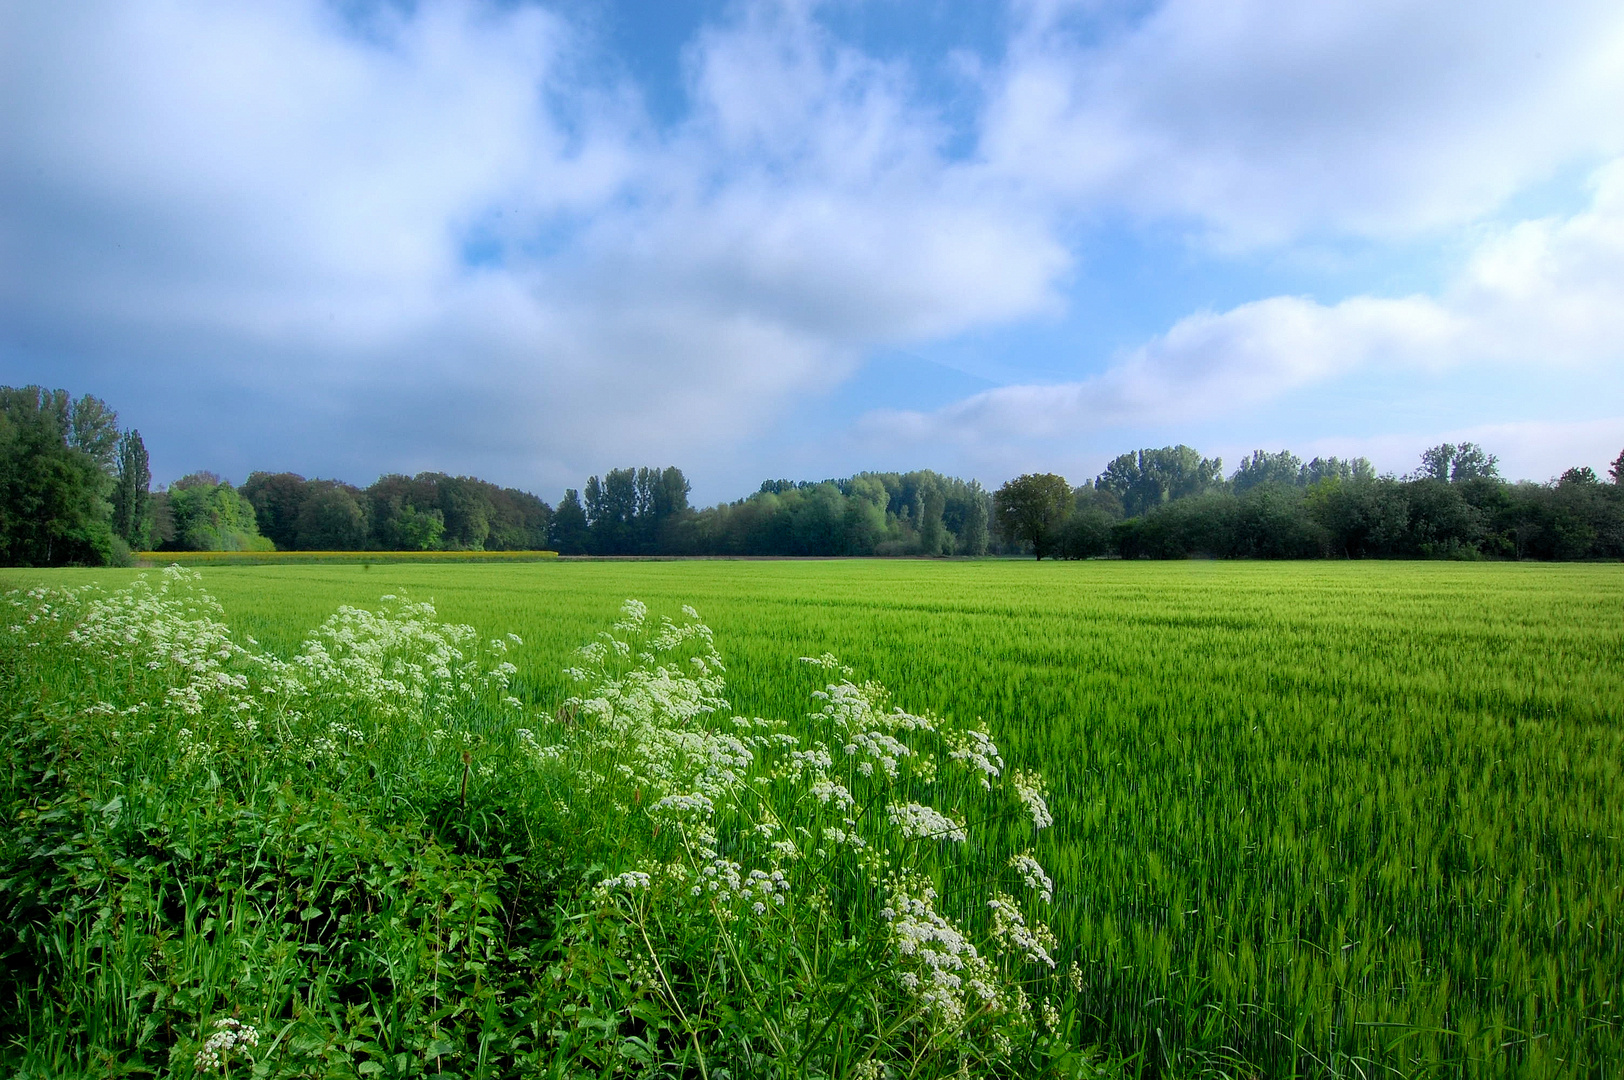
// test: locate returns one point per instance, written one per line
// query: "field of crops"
(1310, 819)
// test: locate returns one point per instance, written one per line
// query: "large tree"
(1033, 508)
(278, 499)
(211, 515)
(570, 534)
(132, 496)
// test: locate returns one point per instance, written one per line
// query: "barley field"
(1308, 819)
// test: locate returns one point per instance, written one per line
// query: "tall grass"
(370, 858)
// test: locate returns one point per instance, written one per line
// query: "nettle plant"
(812, 893)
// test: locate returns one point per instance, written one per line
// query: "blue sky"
(533, 241)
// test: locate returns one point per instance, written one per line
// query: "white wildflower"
(230, 1037)
(1032, 875)
(1029, 790)
(917, 821)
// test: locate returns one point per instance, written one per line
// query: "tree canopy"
(1033, 508)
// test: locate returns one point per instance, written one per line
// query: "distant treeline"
(1173, 504)
(75, 489)
(646, 512)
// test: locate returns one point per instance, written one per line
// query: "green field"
(1313, 819)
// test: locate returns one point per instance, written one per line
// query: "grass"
(197, 559)
(1311, 819)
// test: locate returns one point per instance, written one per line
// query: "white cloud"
(267, 203)
(1542, 295)
(1264, 120)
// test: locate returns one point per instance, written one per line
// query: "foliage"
(570, 531)
(132, 500)
(56, 456)
(209, 514)
(1032, 509)
(1453, 464)
(1149, 478)
(429, 511)
(915, 513)
(1454, 506)
(372, 858)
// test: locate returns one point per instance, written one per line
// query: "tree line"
(76, 489)
(1173, 503)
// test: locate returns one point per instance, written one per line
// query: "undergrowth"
(372, 859)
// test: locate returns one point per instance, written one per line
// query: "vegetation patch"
(372, 859)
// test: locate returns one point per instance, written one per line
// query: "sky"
(535, 241)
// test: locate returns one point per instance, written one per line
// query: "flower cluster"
(230, 1037)
(1033, 877)
(1010, 929)
(759, 814)
(395, 661)
(940, 966)
(1029, 790)
(924, 823)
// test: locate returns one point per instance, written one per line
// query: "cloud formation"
(1265, 120)
(439, 229)
(344, 239)
(1534, 298)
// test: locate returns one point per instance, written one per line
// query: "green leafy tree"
(53, 486)
(1283, 468)
(1149, 478)
(1616, 470)
(1578, 475)
(570, 532)
(973, 533)
(1033, 509)
(278, 498)
(211, 515)
(331, 518)
(93, 430)
(1320, 470)
(1455, 464)
(400, 526)
(132, 496)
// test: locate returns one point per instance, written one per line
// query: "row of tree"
(646, 512)
(75, 488)
(1172, 503)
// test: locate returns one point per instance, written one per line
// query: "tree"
(211, 515)
(1454, 464)
(53, 509)
(1150, 478)
(132, 496)
(1358, 470)
(1283, 468)
(277, 499)
(331, 519)
(1032, 509)
(93, 430)
(570, 533)
(973, 530)
(400, 526)
(1616, 470)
